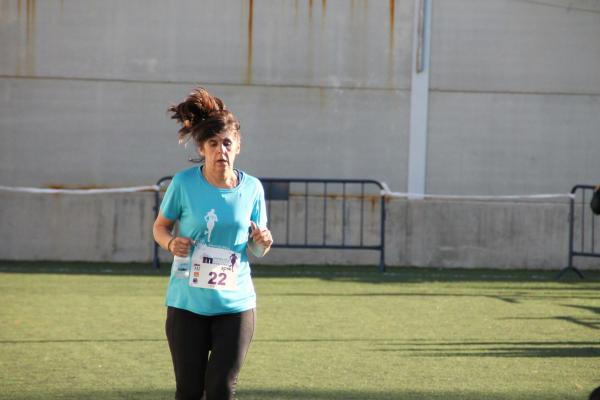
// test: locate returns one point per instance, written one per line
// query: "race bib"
(214, 268)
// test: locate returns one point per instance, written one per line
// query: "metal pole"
(382, 234)
(155, 260)
(571, 239)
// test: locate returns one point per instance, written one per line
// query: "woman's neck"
(225, 179)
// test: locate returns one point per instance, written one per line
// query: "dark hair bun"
(202, 116)
(197, 107)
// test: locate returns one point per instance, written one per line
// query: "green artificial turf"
(95, 331)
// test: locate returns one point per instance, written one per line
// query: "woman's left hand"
(261, 237)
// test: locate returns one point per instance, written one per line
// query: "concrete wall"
(432, 232)
(68, 140)
(515, 96)
(511, 143)
(84, 86)
(115, 227)
(322, 89)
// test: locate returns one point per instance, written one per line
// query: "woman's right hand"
(180, 246)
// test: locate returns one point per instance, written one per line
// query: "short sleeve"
(259, 211)
(170, 207)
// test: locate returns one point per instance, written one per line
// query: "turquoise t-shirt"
(219, 220)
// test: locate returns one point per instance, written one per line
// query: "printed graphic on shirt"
(233, 258)
(211, 219)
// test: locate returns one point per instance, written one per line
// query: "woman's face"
(219, 151)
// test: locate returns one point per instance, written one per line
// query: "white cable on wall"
(132, 189)
(385, 192)
(388, 193)
(475, 197)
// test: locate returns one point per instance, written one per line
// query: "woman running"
(210, 298)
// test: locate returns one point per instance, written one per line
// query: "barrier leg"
(567, 269)
(570, 266)
(381, 261)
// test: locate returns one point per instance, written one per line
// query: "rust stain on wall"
(392, 19)
(250, 42)
(30, 23)
(392, 45)
(373, 199)
(324, 8)
(60, 186)
(19, 36)
(26, 62)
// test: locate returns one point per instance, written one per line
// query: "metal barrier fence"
(583, 240)
(306, 213)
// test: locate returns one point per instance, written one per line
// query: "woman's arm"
(162, 228)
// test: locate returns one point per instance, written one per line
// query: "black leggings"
(208, 352)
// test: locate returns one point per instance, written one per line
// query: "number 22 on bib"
(214, 268)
